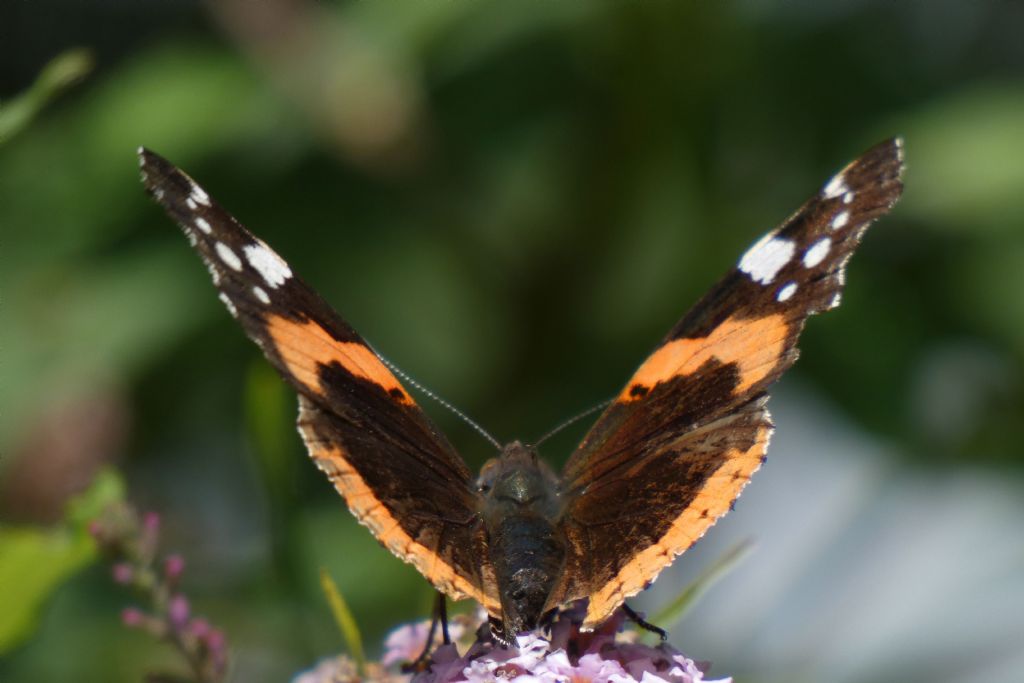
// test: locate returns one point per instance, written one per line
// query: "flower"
(331, 670)
(406, 643)
(174, 566)
(178, 611)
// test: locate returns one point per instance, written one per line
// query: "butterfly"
(663, 462)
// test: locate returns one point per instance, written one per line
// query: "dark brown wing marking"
(689, 428)
(397, 472)
(658, 505)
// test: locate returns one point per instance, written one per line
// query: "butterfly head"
(517, 476)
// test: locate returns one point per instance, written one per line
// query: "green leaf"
(269, 407)
(34, 562)
(343, 617)
(269, 412)
(63, 71)
(107, 488)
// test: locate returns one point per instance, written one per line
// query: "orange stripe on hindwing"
(306, 347)
(754, 345)
(372, 513)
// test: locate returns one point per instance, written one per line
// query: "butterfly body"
(526, 545)
(666, 459)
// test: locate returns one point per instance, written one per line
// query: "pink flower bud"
(200, 628)
(178, 611)
(123, 573)
(215, 641)
(174, 565)
(132, 617)
(151, 523)
(217, 647)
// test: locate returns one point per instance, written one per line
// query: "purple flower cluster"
(603, 656)
(131, 542)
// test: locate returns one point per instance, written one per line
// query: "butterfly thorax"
(525, 547)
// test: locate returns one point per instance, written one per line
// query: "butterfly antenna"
(430, 394)
(575, 418)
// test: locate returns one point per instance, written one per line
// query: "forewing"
(683, 437)
(397, 472)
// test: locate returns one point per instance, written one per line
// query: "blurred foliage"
(512, 202)
(37, 561)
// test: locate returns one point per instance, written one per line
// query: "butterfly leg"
(440, 614)
(497, 628)
(639, 621)
(547, 621)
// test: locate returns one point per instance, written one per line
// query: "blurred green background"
(514, 201)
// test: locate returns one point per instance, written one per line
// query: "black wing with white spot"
(251, 279)
(397, 472)
(801, 264)
(676, 447)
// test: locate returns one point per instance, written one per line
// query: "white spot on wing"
(227, 256)
(261, 294)
(191, 203)
(214, 273)
(841, 219)
(848, 197)
(836, 298)
(271, 266)
(786, 292)
(817, 252)
(764, 260)
(199, 194)
(835, 187)
(202, 224)
(841, 270)
(229, 303)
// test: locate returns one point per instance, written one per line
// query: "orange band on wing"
(372, 514)
(306, 347)
(754, 345)
(710, 503)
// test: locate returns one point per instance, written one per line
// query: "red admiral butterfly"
(664, 461)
